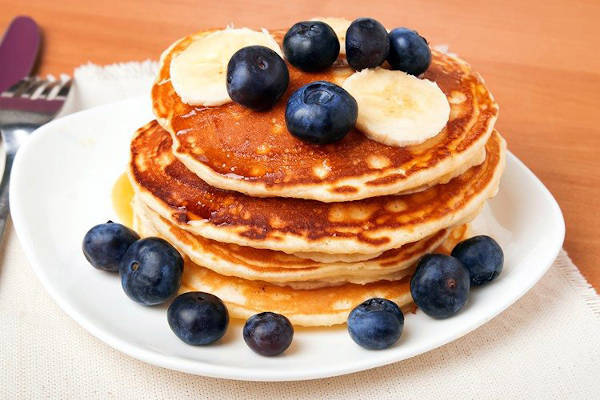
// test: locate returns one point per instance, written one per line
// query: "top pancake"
(234, 148)
(365, 226)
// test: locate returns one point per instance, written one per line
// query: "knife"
(19, 50)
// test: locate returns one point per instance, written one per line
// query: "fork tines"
(34, 87)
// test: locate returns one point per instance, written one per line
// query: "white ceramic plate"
(61, 186)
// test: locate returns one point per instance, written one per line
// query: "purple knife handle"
(18, 51)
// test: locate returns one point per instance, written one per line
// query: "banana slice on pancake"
(339, 26)
(397, 109)
(199, 73)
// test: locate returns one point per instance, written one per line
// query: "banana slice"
(199, 73)
(397, 109)
(339, 26)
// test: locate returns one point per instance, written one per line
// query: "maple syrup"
(122, 195)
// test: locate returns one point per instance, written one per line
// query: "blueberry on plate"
(268, 333)
(311, 45)
(482, 256)
(376, 324)
(151, 271)
(440, 285)
(367, 44)
(321, 112)
(409, 52)
(198, 318)
(256, 77)
(104, 245)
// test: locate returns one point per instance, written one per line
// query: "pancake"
(312, 307)
(232, 147)
(366, 226)
(280, 268)
(330, 258)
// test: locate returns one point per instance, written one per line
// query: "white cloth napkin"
(547, 345)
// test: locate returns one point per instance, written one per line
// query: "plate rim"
(203, 368)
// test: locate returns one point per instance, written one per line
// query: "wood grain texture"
(539, 58)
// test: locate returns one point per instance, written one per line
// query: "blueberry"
(311, 45)
(256, 77)
(198, 318)
(104, 245)
(367, 44)
(376, 324)
(320, 112)
(440, 285)
(268, 333)
(151, 271)
(482, 256)
(409, 52)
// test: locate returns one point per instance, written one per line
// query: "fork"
(24, 107)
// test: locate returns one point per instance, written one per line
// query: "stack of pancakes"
(267, 222)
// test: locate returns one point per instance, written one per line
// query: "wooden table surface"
(539, 58)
